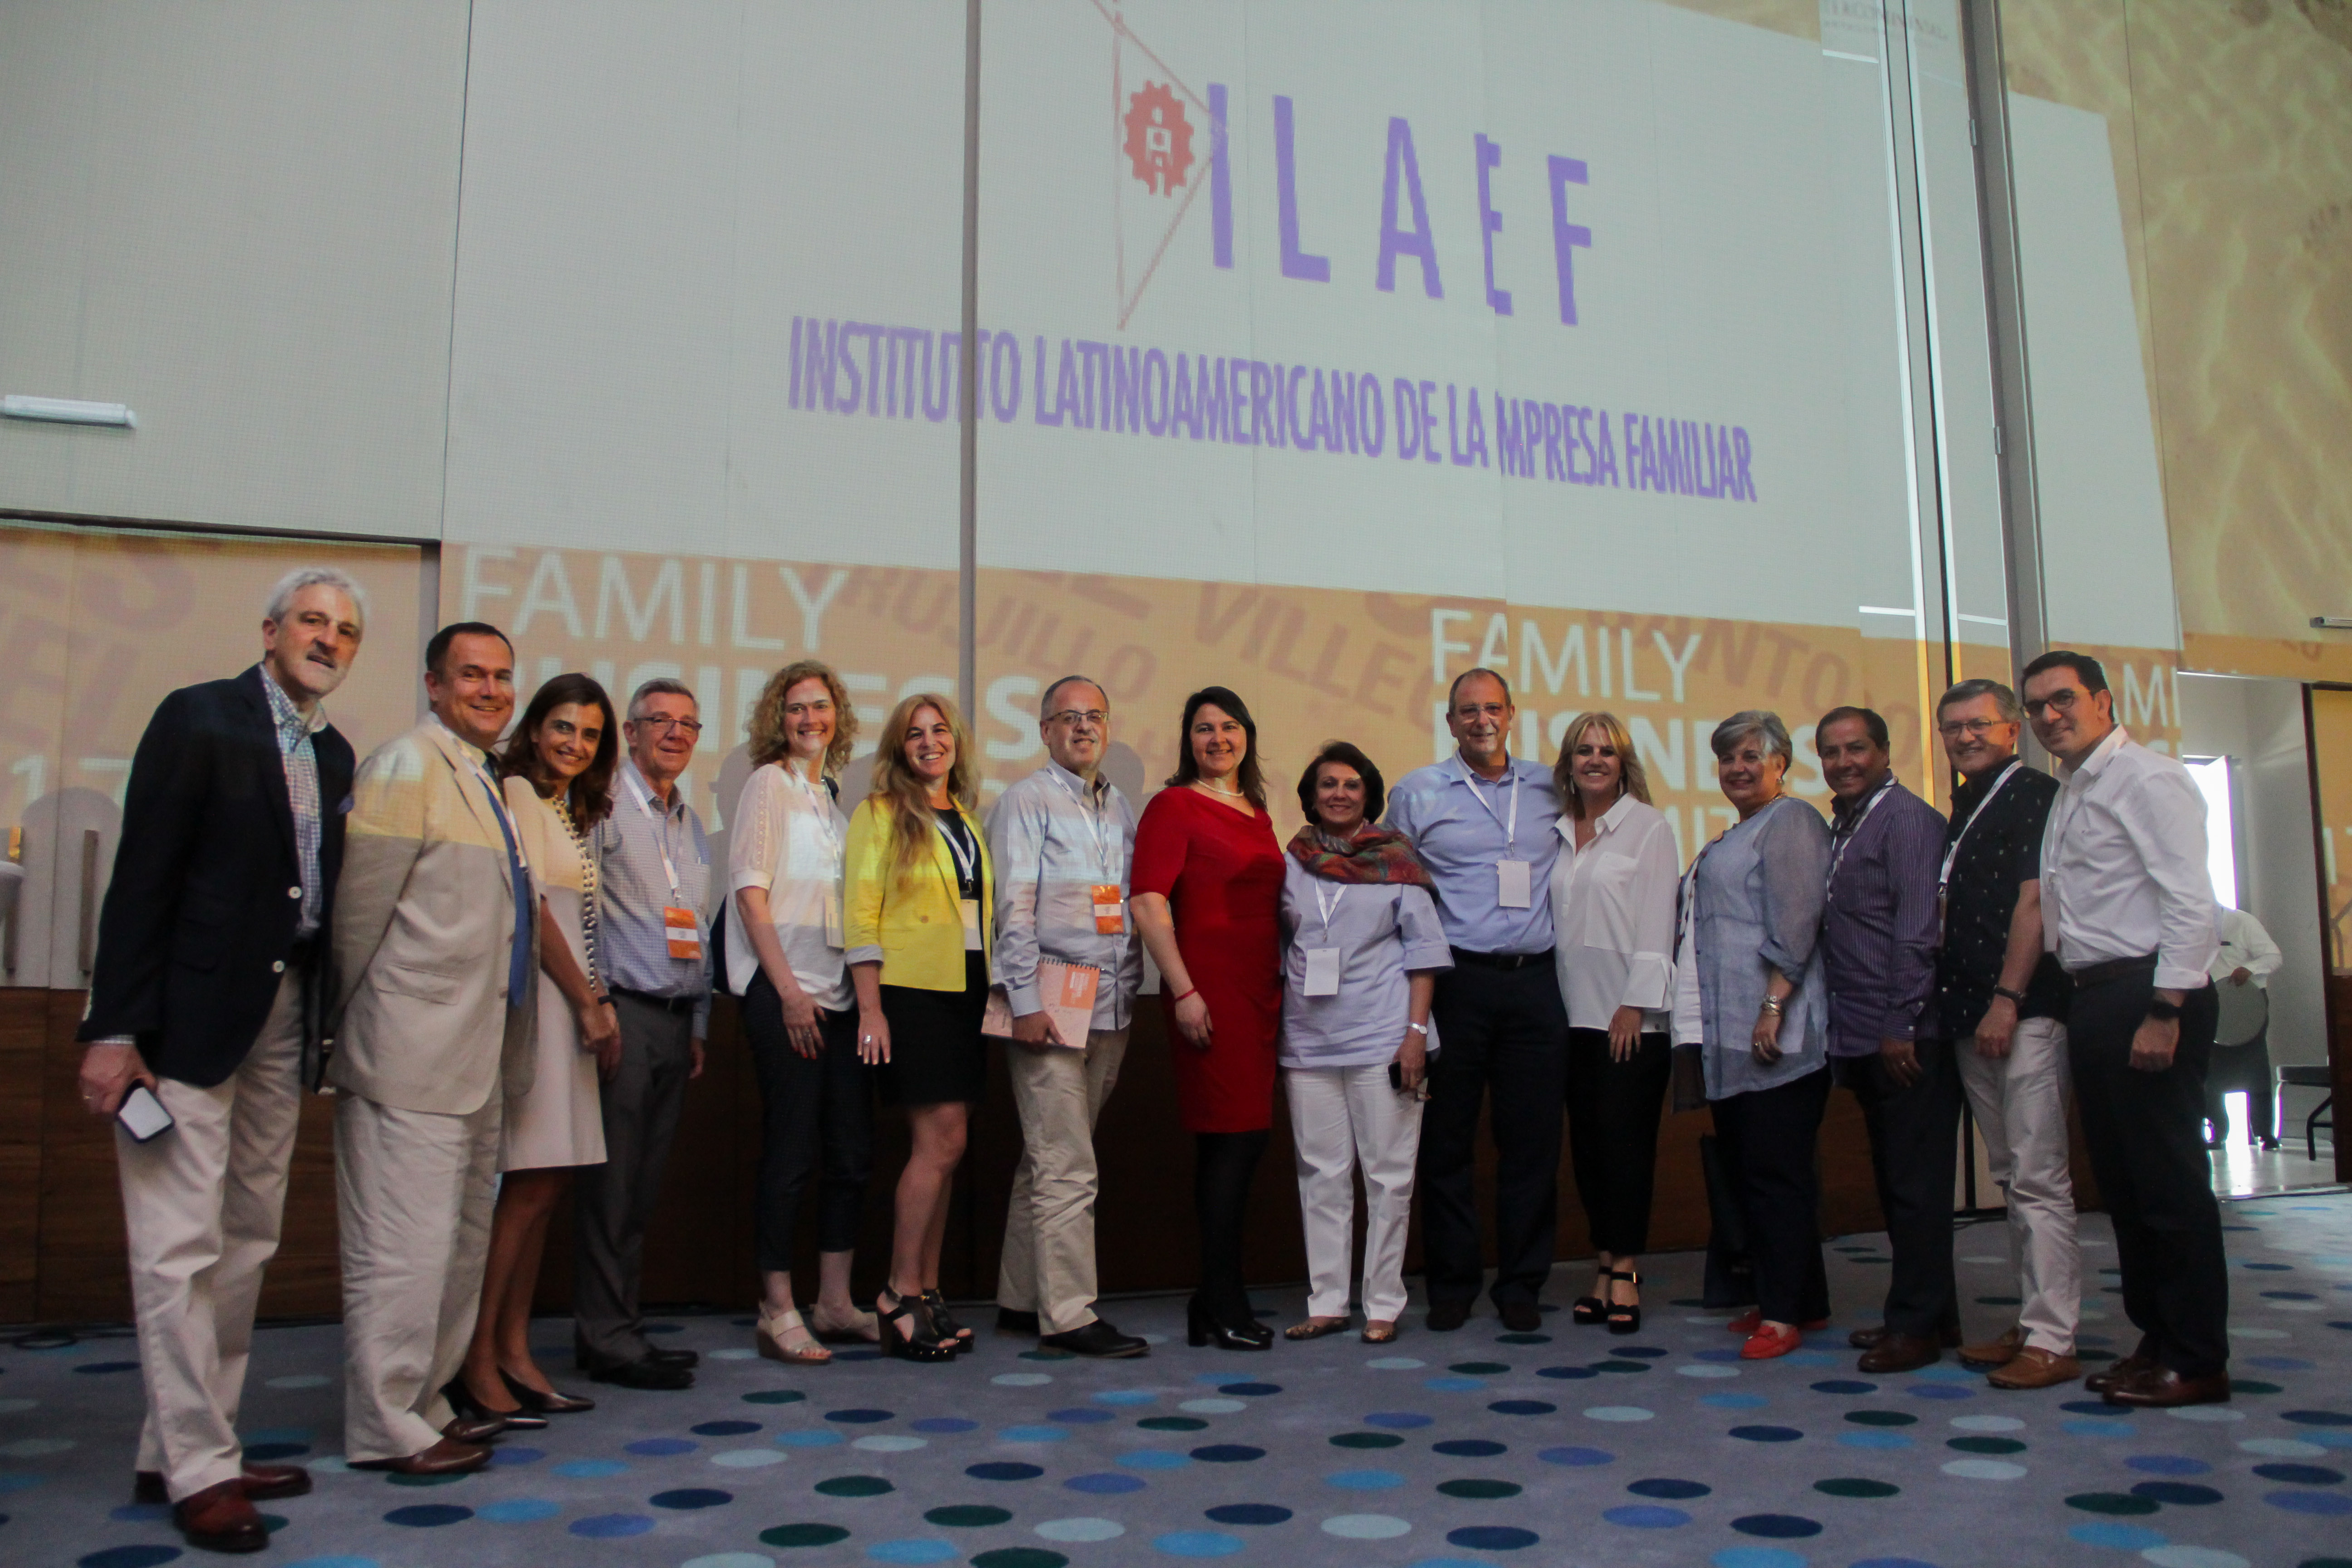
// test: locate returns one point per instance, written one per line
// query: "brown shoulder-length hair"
(770, 743)
(908, 798)
(592, 792)
(1252, 779)
(1632, 778)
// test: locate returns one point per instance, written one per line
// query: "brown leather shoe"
(2034, 1367)
(445, 1457)
(219, 1518)
(262, 1483)
(2122, 1372)
(1999, 1353)
(1901, 1352)
(2161, 1388)
(473, 1430)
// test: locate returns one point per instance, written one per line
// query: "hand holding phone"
(142, 1115)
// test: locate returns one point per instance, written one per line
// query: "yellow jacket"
(911, 924)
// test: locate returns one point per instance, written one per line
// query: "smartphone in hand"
(142, 1115)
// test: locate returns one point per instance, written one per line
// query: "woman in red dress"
(1207, 888)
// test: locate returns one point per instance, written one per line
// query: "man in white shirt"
(2241, 975)
(2128, 909)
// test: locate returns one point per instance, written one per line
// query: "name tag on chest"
(1512, 889)
(971, 908)
(685, 936)
(1322, 972)
(1110, 909)
(833, 934)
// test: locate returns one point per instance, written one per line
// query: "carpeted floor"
(1566, 1446)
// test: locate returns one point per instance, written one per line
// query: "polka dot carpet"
(1438, 1451)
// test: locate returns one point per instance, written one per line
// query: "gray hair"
(1045, 703)
(660, 686)
(1754, 721)
(281, 595)
(2003, 699)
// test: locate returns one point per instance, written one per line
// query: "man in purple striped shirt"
(1879, 930)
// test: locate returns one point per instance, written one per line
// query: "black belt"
(666, 1004)
(1465, 958)
(2114, 969)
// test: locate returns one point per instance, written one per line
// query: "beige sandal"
(1314, 1328)
(858, 1328)
(1380, 1331)
(770, 1334)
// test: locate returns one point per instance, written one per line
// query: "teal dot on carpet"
(1855, 1487)
(1178, 1424)
(967, 1516)
(1197, 1544)
(856, 1485)
(911, 1549)
(1020, 1557)
(1492, 1537)
(519, 1510)
(687, 1498)
(1776, 1526)
(791, 1535)
(611, 1526)
(428, 1515)
(2119, 1537)
(2121, 1504)
(1479, 1489)
(1249, 1513)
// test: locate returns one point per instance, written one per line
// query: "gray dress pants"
(614, 1201)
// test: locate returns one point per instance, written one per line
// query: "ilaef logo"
(1159, 139)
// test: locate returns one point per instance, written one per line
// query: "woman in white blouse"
(1612, 904)
(784, 958)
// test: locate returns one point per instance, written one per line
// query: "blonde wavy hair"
(907, 797)
(771, 741)
(1632, 778)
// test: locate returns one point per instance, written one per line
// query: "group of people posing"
(494, 939)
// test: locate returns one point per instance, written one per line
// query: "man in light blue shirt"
(1482, 823)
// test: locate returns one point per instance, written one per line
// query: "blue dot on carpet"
(1453, 1384)
(1227, 1454)
(611, 1526)
(519, 1510)
(1885, 1563)
(1844, 1385)
(1364, 1480)
(2300, 1475)
(588, 1469)
(2180, 1494)
(1646, 1516)
(724, 1428)
(1776, 1526)
(99, 1369)
(1639, 1353)
(1249, 1390)
(507, 1458)
(1398, 1420)
(1032, 1434)
(1669, 1488)
(1104, 1483)
(1249, 1513)
(1566, 1374)
(1126, 1397)
(1766, 1434)
(1079, 1415)
(1522, 1407)
(129, 1557)
(267, 1452)
(1576, 1457)
(1154, 1459)
(2091, 1426)
(860, 1418)
(1734, 1401)
(944, 1424)
(150, 1512)
(1198, 1543)
(2330, 1504)
(1004, 1470)
(2121, 1537)
(1939, 1391)
(914, 1549)
(2168, 1464)
(1470, 1447)
(335, 1562)
(691, 1497)
(428, 1515)
(1756, 1557)
(1882, 1440)
(817, 1437)
(17, 1481)
(1492, 1537)
(2281, 1363)
(2317, 1418)
(659, 1448)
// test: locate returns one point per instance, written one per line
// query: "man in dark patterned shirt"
(1878, 955)
(2001, 1001)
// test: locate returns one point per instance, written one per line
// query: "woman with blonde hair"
(918, 923)
(1612, 910)
(784, 958)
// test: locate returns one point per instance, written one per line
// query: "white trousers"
(1343, 1119)
(2019, 1102)
(201, 1207)
(1048, 1264)
(414, 1192)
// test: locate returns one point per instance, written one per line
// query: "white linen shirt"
(787, 839)
(2244, 944)
(2122, 864)
(1613, 915)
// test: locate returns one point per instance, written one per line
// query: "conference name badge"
(685, 936)
(1322, 972)
(1511, 884)
(971, 908)
(1110, 909)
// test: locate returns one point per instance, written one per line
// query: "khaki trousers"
(2020, 1104)
(414, 1192)
(201, 1204)
(1048, 1264)
(1343, 1121)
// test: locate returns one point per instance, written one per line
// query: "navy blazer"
(196, 929)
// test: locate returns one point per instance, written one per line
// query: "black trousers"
(1612, 1134)
(1768, 1136)
(2244, 1068)
(613, 1202)
(1914, 1150)
(2145, 1131)
(1504, 1030)
(815, 1116)
(1224, 1166)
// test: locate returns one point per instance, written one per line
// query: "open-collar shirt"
(2122, 864)
(1462, 826)
(1053, 839)
(300, 759)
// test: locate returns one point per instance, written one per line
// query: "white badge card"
(1110, 909)
(833, 933)
(1322, 972)
(971, 908)
(1511, 889)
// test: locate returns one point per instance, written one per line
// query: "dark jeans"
(1223, 1165)
(1914, 1149)
(614, 1201)
(813, 1114)
(2245, 1068)
(1769, 1137)
(2145, 1135)
(1612, 1134)
(1504, 1030)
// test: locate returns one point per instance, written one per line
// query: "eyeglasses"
(2064, 701)
(1975, 728)
(1481, 711)
(1094, 718)
(691, 726)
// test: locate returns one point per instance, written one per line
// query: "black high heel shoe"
(1625, 1318)
(468, 1408)
(947, 1329)
(1592, 1310)
(1201, 1328)
(906, 1331)
(539, 1404)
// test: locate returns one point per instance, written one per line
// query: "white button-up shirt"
(2122, 864)
(787, 840)
(1613, 915)
(2244, 945)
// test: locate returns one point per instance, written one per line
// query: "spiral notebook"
(1068, 989)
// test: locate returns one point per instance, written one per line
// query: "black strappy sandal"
(1623, 1318)
(949, 1332)
(909, 1336)
(1590, 1311)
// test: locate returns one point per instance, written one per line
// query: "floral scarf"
(1376, 855)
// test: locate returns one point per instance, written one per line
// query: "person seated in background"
(1363, 952)
(2241, 975)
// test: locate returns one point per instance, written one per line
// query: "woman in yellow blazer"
(917, 902)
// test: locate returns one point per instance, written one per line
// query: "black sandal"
(1625, 1318)
(1590, 1311)
(948, 1332)
(917, 1339)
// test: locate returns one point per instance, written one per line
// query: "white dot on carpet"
(1021, 1379)
(1081, 1530)
(1984, 1469)
(2209, 1415)
(748, 1458)
(1395, 1364)
(1707, 1369)
(889, 1444)
(2282, 1449)
(729, 1560)
(2180, 1555)
(735, 1353)
(1365, 1527)
(1213, 1406)
(1618, 1413)
(1987, 1422)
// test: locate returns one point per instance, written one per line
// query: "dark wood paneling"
(24, 1026)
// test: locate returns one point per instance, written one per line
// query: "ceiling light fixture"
(67, 411)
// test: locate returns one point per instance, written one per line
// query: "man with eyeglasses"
(2128, 909)
(653, 944)
(1062, 840)
(2001, 1001)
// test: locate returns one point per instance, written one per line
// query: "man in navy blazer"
(208, 982)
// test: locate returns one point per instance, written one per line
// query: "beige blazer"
(423, 923)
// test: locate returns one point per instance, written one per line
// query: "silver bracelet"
(1421, 1029)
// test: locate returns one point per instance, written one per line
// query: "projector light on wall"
(67, 411)
(2332, 623)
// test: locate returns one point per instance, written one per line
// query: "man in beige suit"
(434, 948)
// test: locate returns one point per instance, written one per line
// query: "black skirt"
(936, 1054)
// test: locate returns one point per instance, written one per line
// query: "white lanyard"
(1103, 854)
(964, 862)
(1338, 891)
(1510, 828)
(661, 834)
(1944, 877)
(821, 804)
(1845, 841)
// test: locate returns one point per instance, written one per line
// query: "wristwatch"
(2162, 1011)
(2016, 996)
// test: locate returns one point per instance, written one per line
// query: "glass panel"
(35, 587)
